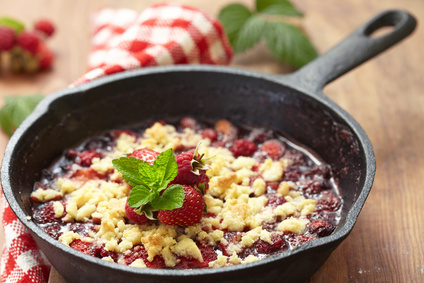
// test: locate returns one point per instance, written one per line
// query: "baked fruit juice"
(229, 195)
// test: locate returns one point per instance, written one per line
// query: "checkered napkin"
(162, 34)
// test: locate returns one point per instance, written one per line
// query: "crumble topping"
(252, 211)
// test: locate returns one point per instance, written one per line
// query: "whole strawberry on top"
(190, 213)
(152, 177)
(145, 154)
(191, 169)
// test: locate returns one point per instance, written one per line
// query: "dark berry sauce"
(307, 178)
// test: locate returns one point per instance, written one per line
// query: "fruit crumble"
(226, 194)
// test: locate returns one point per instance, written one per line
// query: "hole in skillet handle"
(354, 50)
(385, 25)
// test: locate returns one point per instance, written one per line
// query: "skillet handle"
(357, 48)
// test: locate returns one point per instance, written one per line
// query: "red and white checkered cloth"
(163, 34)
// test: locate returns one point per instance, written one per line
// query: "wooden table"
(385, 95)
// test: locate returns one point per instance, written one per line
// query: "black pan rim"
(284, 80)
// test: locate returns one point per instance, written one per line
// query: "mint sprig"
(148, 182)
(245, 28)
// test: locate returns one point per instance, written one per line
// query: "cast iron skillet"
(293, 104)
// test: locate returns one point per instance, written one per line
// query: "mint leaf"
(139, 196)
(148, 175)
(172, 198)
(249, 34)
(166, 168)
(289, 44)
(16, 109)
(15, 25)
(149, 181)
(233, 17)
(129, 168)
(277, 7)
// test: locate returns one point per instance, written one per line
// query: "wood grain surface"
(385, 95)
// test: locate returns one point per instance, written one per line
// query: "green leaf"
(16, 109)
(148, 175)
(289, 44)
(172, 198)
(166, 168)
(277, 7)
(233, 18)
(129, 168)
(140, 195)
(15, 25)
(249, 34)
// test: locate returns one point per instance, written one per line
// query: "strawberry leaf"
(15, 110)
(233, 17)
(139, 196)
(249, 34)
(245, 28)
(172, 197)
(166, 168)
(277, 7)
(289, 44)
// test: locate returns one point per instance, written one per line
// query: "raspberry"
(189, 122)
(45, 27)
(44, 213)
(7, 38)
(275, 200)
(208, 255)
(209, 134)
(297, 240)
(243, 147)
(139, 252)
(273, 148)
(87, 156)
(44, 56)
(28, 41)
(259, 135)
(328, 202)
(278, 243)
(320, 227)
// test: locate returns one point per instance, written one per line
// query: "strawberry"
(145, 154)
(7, 38)
(149, 156)
(44, 27)
(134, 216)
(28, 41)
(189, 214)
(191, 169)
